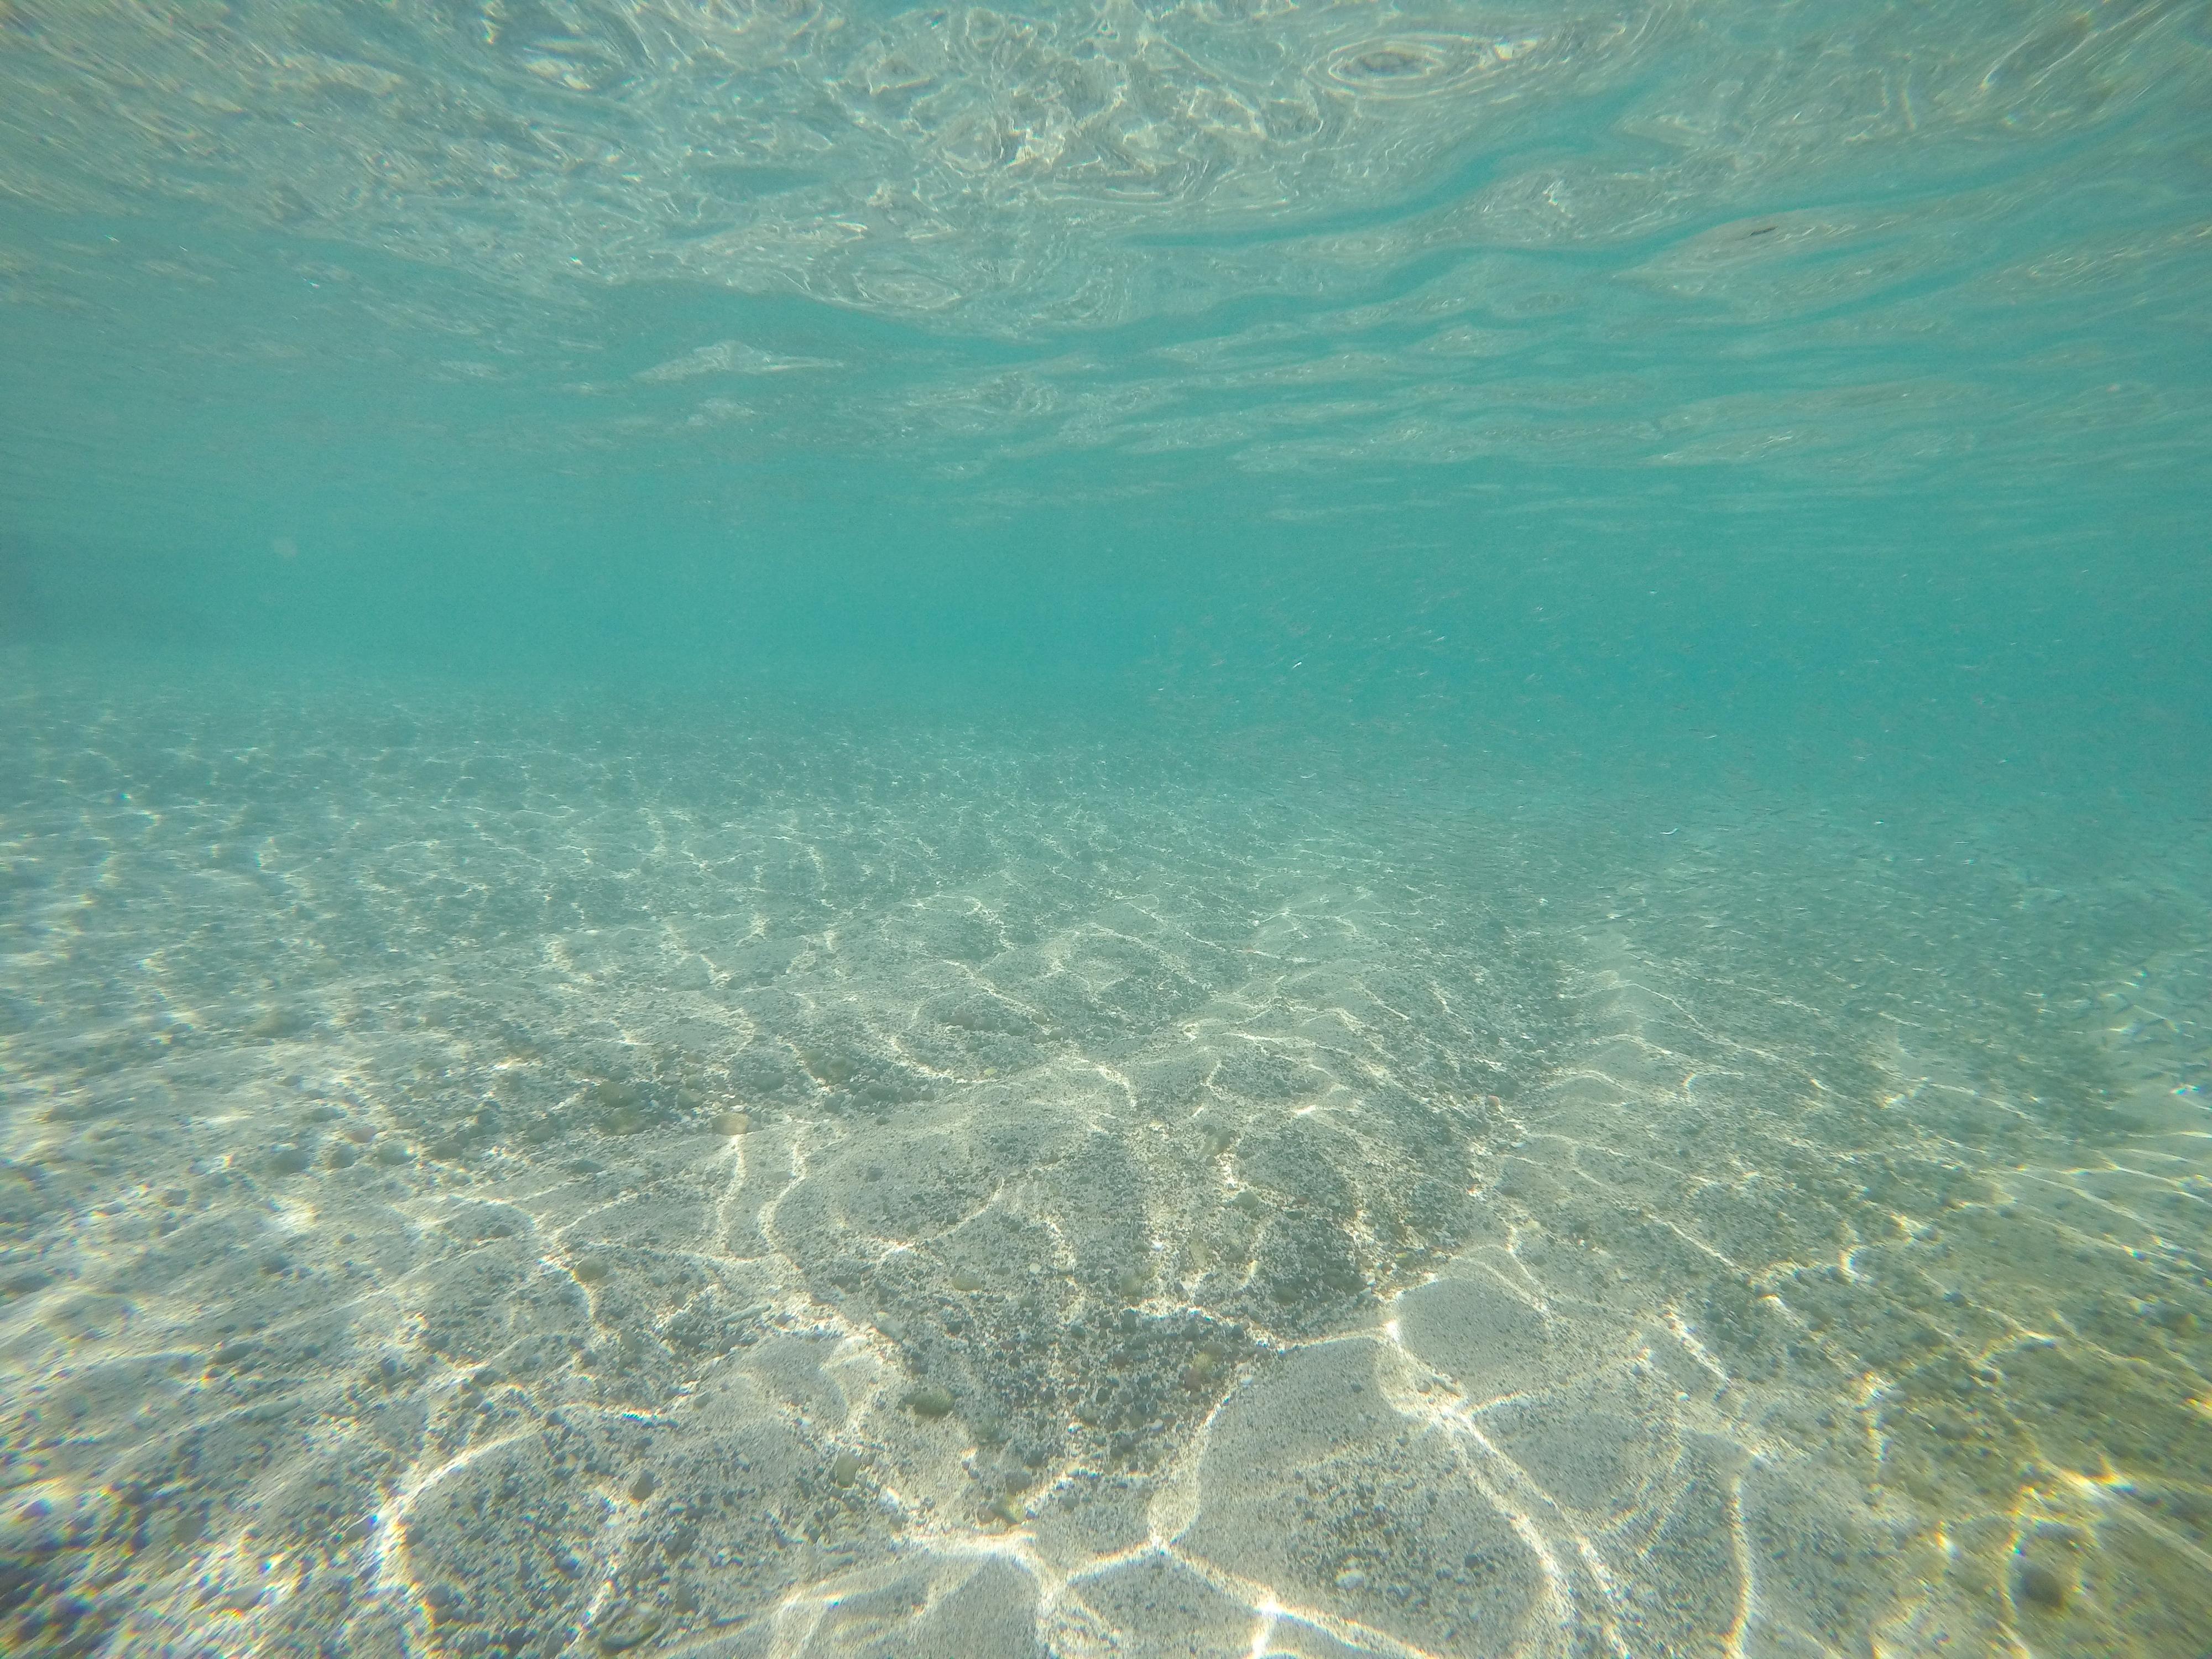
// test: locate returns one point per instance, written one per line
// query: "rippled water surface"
(1147, 830)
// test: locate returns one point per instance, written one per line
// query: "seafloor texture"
(493, 1183)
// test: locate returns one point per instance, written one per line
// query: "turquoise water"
(1227, 829)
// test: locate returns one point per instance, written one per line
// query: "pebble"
(2037, 1586)
(929, 1401)
(627, 1627)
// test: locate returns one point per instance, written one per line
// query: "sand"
(524, 1183)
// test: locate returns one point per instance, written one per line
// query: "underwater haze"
(1242, 827)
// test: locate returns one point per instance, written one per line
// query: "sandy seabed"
(506, 1181)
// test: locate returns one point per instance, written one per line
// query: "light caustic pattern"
(1843, 243)
(1168, 1215)
(920, 160)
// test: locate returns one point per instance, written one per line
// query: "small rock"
(2037, 1586)
(929, 1401)
(444, 1602)
(626, 1626)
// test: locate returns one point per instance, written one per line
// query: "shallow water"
(1189, 829)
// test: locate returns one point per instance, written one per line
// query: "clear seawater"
(1220, 828)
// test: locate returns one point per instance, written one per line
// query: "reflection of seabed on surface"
(1160, 1226)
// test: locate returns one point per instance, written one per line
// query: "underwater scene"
(1198, 828)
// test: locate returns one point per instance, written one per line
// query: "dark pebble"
(931, 1401)
(2035, 1585)
(627, 1628)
